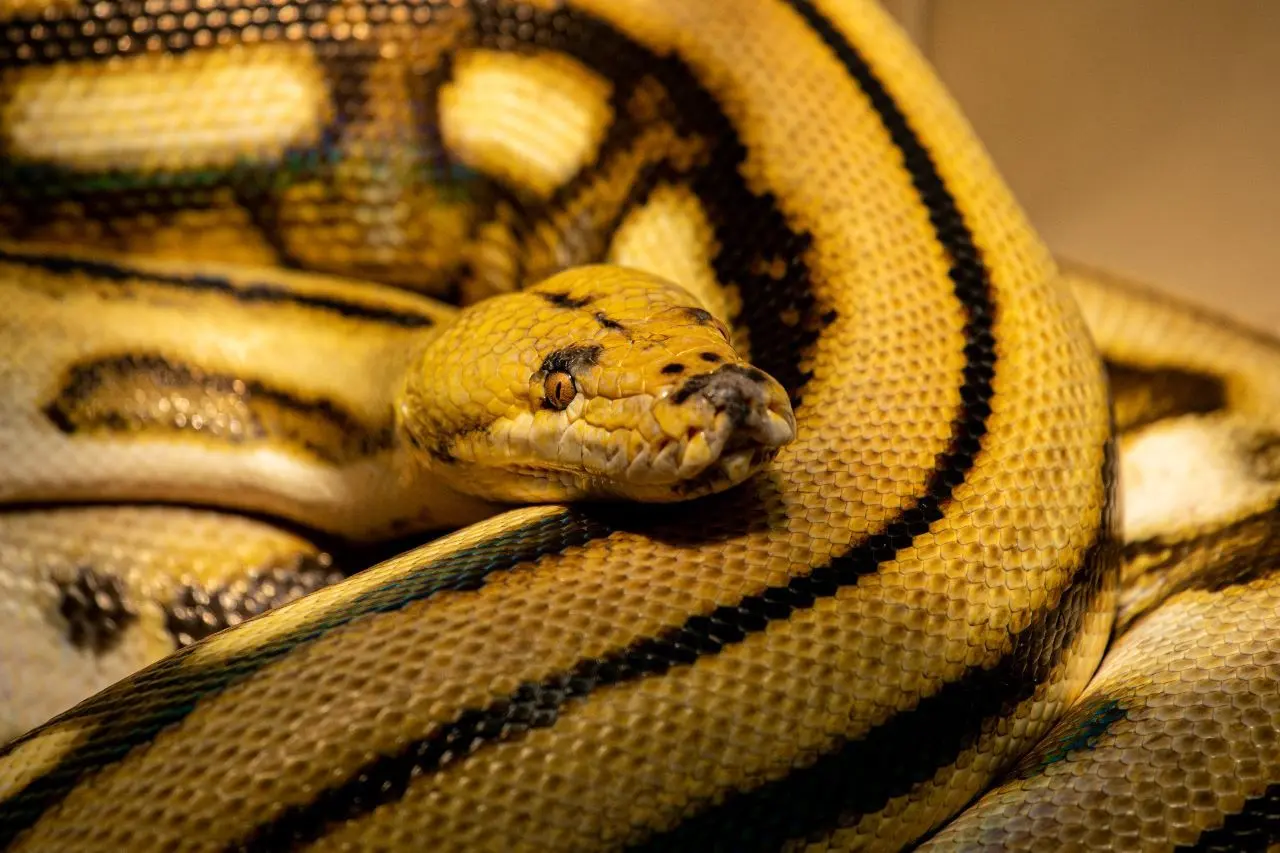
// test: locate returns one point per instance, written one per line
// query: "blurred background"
(1142, 136)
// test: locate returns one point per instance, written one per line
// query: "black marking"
(1253, 829)
(701, 316)
(859, 777)
(196, 613)
(442, 449)
(246, 293)
(96, 609)
(1237, 554)
(715, 176)
(576, 225)
(442, 452)
(173, 686)
(564, 300)
(779, 351)
(1143, 396)
(725, 376)
(605, 322)
(711, 357)
(673, 368)
(92, 34)
(572, 359)
(1261, 451)
(538, 704)
(319, 427)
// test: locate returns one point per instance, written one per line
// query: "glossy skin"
(843, 652)
(599, 382)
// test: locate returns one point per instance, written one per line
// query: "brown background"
(1140, 135)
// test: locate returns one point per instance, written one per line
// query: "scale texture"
(1008, 584)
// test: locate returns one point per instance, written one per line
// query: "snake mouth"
(742, 454)
(746, 444)
(726, 448)
(709, 434)
(719, 429)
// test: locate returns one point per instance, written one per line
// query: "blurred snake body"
(791, 495)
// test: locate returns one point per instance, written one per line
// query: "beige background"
(1141, 135)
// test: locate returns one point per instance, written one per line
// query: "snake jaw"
(706, 434)
(601, 383)
(735, 420)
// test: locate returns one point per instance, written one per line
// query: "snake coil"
(892, 599)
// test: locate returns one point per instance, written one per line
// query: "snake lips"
(612, 384)
(738, 416)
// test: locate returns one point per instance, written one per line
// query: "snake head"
(599, 383)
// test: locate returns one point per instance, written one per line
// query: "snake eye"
(559, 389)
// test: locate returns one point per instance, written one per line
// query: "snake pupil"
(560, 390)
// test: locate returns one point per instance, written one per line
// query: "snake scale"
(786, 493)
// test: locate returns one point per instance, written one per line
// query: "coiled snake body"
(863, 549)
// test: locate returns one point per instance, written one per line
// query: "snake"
(596, 425)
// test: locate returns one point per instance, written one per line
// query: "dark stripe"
(564, 300)
(1240, 553)
(124, 394)
(860, 777)
(100, 31)
(572, 359)
(904, 752)
(717, 180)
(1142, 396)
(538, 704)
(542, 248)
(1251, 830)
(547, 249)
(247, 293)
(606, 322)
(161, 696)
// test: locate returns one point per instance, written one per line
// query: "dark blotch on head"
(754, 374)
(572, 359)
(711, 357)
(700, 316)
(96, 610)
(607, 323)
(442, 450)
(564, 300)
(701, 382)
(673, 368)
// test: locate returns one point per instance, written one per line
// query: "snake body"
(887, 637)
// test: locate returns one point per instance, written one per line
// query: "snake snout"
(732, 420)
(750, 402)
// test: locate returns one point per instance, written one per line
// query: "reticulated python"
(889, 635)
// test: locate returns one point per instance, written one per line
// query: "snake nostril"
(734, 394)
(725, 386)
